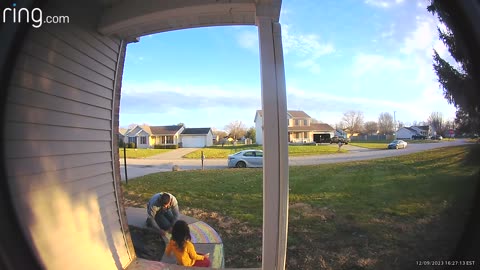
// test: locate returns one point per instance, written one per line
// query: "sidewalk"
(174, 154)
(204, 237)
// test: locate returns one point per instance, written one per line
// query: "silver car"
(246, 158)
(397, 144)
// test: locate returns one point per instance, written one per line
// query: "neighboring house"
(196, 137)
(408, 132)
(121, 134)
(138, 135)
(165, 135)
(149, 136)
(300, 128)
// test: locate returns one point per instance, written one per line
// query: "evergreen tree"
(459, 86)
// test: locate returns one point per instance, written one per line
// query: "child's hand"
(207, 255)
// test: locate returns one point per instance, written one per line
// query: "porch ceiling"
(132, 19)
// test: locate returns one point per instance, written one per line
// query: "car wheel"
(241, 164)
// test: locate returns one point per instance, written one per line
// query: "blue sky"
(372, 56)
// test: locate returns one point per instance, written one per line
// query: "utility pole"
(394, 125)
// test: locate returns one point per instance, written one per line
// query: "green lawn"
(293, 150)
(383, 144)
(142, 153)
(377, 214)
(371, 145)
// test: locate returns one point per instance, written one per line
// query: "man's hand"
(207, 255)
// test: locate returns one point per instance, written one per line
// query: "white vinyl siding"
(58, 139)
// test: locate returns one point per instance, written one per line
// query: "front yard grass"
(293, 150)
(377, 214)
(142, 153)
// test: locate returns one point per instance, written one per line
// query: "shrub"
(159, 146)
(131, 145)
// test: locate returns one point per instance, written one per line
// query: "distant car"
(437, 137)
(419, 137)
(336, 139)
(397, 144)
(246, 158)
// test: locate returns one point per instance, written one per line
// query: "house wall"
(60, 145)
(209, 141)
(404, 133)
(259, 130)
(147, 140)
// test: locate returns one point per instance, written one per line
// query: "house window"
(131, 139)
(143, 140)
(305, 122)
(297, 135)
(297, 122)
(305, 135)
(169, 139)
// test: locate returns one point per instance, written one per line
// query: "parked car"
(397, 144)
(336, 139)
(437, 137)
(246, 158)
(419, 137)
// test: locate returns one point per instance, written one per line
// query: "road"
(139, 167)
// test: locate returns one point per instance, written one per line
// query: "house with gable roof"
(408, 133)
(145, 136)
(300, 128)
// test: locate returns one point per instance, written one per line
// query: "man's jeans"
(164, 219)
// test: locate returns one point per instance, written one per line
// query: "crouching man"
(162, 210)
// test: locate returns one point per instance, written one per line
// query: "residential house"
(145, 136)
(121, 134)
(196, 137)
(300, 128)
(407, 133)
(148, 136)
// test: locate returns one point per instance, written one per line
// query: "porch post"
(275, 144)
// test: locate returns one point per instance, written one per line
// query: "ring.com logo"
(35, 16)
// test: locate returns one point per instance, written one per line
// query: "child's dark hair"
(181, 233)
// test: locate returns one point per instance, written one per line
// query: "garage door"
(193, 141)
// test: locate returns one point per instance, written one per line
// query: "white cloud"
(248, 40)
(365, 63)
(307, 47)
(383, 3)
(422, 38)
(309, 64)
(390, 32)
(304, 45)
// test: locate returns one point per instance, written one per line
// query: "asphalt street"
(165, 162)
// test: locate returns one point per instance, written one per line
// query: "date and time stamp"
(445, 263)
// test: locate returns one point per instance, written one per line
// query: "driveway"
(165, 162)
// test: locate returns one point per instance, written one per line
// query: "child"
(182, 247)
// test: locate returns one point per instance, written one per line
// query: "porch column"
(275, 144)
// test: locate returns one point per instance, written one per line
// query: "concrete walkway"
(204, 237)
(174, 154)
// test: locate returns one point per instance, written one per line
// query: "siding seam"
(84, 115)
(65, 70)
(71, 59)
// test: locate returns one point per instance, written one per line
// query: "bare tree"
(340, 125)
(353, 121)
(436, 121)
(371, 127)
(236, 129)
(314, 120)
(385, 123)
